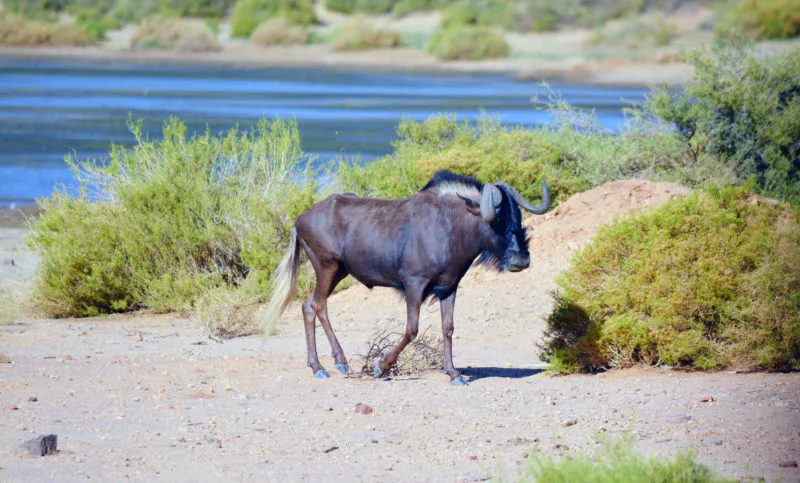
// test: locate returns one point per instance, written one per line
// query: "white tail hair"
(284, 286)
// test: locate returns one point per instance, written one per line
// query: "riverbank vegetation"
(191, 220)
(460, 30)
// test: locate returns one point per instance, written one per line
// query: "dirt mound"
(569, 227)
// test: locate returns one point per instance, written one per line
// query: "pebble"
(4, 359)
(363, 409)
(677, 418)
(569, 422)
(712, 442)
(788, 464)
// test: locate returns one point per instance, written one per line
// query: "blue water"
(49, 109)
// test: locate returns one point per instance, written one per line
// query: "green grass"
(703, 282)
(618, 464)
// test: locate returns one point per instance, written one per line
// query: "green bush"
(176, 218)
(703, 282)
(743, 109)
(184, 35)
(467, 42)
(249, 14)
(486, 150)
(16, 30)
(95, 23)
(761, 19)
(358, 34)
(279, 32)
(618, 463)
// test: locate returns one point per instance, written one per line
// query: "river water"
(49, 108)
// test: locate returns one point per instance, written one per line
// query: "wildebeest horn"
(524, 204)
(491, 197)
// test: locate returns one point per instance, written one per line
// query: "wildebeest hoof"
(343, 368)
(322, 374)
(378, 371)
(458, 381)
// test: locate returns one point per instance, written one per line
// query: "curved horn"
(524, 204)
(490, 198)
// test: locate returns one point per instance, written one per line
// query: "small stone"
(33, 399)
(11, 407)
(788, 464)
(4, 359)
(677, 418)
(388, 468)
(569, 422)
(363, 409)
(712, 442)
(706, 399)
(139, 337)
(41, 446)
(473, 458)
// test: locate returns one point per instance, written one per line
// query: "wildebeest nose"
(519, 262)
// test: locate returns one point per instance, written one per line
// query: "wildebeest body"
(421, 245)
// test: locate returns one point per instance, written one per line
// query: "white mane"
(465, 190)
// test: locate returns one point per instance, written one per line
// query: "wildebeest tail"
(284, 286)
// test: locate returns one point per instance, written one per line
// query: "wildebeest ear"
(472, 206)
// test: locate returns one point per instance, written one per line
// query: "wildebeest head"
(500, 207)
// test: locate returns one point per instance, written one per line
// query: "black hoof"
(343, 368)
(459, 381)
(322, 374)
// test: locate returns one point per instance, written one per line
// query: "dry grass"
(225, 313)
(18, 31)
(423, 355)
(176, 34)
(278, 32)
(358, 34)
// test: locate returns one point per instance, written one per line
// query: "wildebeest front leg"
(413, 302)
(448, 307)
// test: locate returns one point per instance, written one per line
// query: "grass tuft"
(618, 463)
(247, 15)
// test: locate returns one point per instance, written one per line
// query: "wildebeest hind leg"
(328, 276)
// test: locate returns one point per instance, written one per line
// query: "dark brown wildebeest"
(422, 246)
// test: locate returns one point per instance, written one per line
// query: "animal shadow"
(475, 373)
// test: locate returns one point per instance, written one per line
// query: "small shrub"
(467, 42)
(617, 462)
(170, 33)
(278, 32)
(743, 109)
(224, 312)
(423, 354)
(487, 13)
(703, 282)
(249, 14)
(358, 34)
(18, 31)
(761, 19)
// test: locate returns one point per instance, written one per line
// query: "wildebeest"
(421, 245)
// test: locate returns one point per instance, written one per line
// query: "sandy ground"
(147, 397)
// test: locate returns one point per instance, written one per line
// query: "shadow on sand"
(475, 373)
